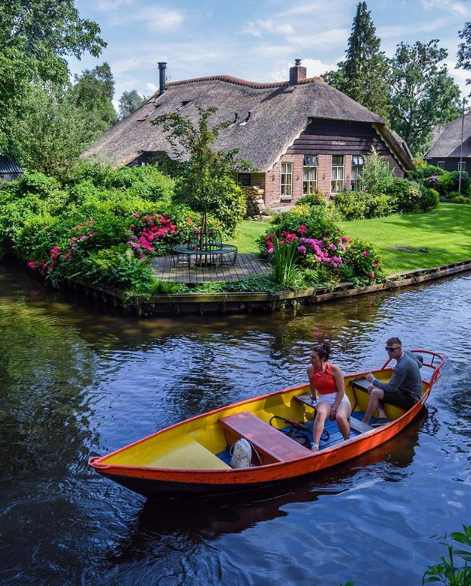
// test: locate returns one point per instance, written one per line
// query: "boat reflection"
(204, 519)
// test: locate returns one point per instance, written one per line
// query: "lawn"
(247, 235)
(444, 232)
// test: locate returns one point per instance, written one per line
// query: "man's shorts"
(400, 398)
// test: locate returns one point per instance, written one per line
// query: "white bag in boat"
(241, 454)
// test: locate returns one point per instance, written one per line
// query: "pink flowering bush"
(319, 250)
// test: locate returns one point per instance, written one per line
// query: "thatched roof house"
(299, 134)
(450, 142)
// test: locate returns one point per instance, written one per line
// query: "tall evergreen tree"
(363, 73)
(464, 50)
(423, 93)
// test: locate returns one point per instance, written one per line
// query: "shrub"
(450, 181)
(361, 263)
(312, 200)
(455, 197)
(356, 205)
(377, 177)
(423, 173)
(430, 199)
(351, 204)
(405, 196)
(117, 267)
(317, 221)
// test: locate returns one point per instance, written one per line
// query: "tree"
(205, 174)
(423, 93)
(464, 50)
(54, 131)
(129, 102)
(35, 39)
(93, 93)
(363, 73)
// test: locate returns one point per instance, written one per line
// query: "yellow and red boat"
(193, 457)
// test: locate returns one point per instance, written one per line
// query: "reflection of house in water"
(9, 169)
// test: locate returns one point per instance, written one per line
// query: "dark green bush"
(405, 196)
(430, 199)
(423, 173)
(450, 181)
(456, 197)
(361, 264)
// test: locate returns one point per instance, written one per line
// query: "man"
(403, 389)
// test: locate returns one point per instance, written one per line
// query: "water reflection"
(76, 383)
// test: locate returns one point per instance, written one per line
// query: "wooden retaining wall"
(221, 303)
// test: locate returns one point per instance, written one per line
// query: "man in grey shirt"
(403, 389)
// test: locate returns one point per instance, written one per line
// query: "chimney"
(162, 85)
(297, 73)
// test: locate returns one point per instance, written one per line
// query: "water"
(75, 383)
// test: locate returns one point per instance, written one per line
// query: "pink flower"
(372, 275)
(302, 249)
(302, 229)
(46, 228)
(32, 265)
(365, 253)
(346, 239)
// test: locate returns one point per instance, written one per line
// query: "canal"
(76, 383)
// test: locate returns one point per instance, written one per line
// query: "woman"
(328, 389)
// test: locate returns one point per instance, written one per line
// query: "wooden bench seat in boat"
(270, 443)
(184, 452)
(354, 423)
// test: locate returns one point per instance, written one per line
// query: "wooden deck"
(246, 265)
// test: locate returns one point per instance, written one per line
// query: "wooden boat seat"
(354, 423)
(270, 443)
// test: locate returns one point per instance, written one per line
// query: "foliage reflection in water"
(75, 383)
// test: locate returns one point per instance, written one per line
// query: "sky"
(256, 40)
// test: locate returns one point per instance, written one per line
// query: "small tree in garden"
(205, 174)
(376, 176)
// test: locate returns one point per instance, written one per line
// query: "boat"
(193, 457)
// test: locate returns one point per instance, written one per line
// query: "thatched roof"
(278, 114)
(447, 141)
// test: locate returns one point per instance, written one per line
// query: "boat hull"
(174, 482)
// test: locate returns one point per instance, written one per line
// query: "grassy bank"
(444, 232)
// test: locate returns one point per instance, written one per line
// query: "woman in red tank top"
(328, 389)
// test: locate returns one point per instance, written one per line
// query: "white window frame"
(310, 165)
(286, 180)
(357, 168)
(441, 164)
(337, 177)
(462, 166)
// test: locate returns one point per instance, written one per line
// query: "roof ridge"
(245, 83)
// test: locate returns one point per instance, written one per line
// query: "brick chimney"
(297, 73)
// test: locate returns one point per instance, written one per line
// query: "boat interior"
(204, 442)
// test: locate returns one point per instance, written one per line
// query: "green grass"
(444, 232)
(247, 235)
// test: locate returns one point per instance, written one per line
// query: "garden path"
(246, 265)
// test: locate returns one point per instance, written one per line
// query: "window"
(245, 179)
(286, 180)
(311, 162)
(357, 169)
(441, 164)
(336, 183)
(462, 166)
